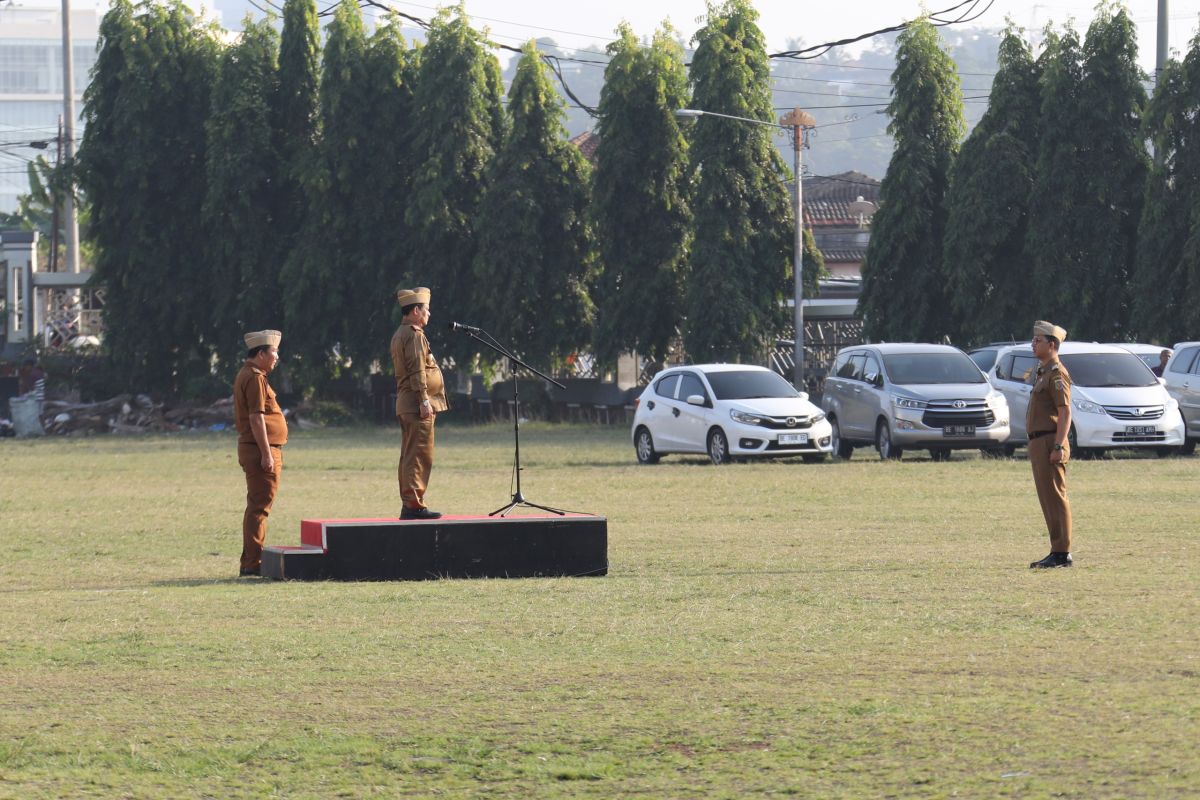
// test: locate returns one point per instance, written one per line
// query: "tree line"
(281, 182)
(1074, 199)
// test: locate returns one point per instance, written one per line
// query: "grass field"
(854, 630)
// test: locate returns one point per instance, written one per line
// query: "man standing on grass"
(262, 433)
(1048, 420)
(420, 396)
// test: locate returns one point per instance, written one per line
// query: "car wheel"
(1082, 453)
(883, 443)
(718, 447)
(939, 453)
(644, 445)
(813, 458)
(1189, 447)
(841, 447)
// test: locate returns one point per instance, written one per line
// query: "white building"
(31, 80)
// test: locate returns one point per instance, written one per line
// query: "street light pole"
(796, 122)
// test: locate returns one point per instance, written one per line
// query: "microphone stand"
(518, 499)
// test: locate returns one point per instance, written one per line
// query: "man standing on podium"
(420, 396)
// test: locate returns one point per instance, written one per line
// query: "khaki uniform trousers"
(416, 458)
(1051, 482)
(261, 488)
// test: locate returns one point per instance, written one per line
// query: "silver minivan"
(912, 396)
(1182, 379)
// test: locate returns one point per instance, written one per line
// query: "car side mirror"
(1162, 381)
(875, 379)
(696, 400)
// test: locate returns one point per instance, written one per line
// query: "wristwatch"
(1058, 447)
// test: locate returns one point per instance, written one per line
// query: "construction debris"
(127, 413)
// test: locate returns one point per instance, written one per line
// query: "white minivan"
(1116, 401)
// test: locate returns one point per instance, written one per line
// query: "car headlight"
(820, 415)
(996, 401)
(908, 402)
(1088, 406)
(744, 418)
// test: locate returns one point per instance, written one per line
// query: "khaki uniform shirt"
(1051, 391)
(252, 393)
(418, 377)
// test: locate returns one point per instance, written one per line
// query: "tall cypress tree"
(987, 275)
(1057, 227)
(1159, 288)
(320, 275)
(640, 203)
(142, 165)
(391, 73)
(242, 166)
(296, 114)
(743, 239)
(1090, 180)
(460, 123)
(1185, 282)
(536, 255)
(903, 296)
(1116, 166)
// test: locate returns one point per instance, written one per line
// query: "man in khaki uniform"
(420, 396)
(262, 433)
(1048, 421)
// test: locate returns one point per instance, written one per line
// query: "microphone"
(458, 326)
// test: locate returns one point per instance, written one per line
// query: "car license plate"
(1140, 430)
(793, 438)
(958, 430)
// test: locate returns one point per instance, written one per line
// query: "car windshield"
(1107, 370)
(916, 368)
(984, 358)
(748, 385)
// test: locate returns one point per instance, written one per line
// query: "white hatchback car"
(727, 411)
(1116, 401)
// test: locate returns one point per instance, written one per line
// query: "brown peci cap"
(408, 297)
(259, 338)
(1043, 328)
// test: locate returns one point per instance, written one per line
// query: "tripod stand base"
(518, 500)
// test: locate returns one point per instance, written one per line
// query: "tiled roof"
(587, 142)
(844, 256)
(827, 199)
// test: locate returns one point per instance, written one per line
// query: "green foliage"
(321, 273)
(903, 297)
(460, 123)
(383, 234)
(536, 255)
(242, 164)
(743, 238)
(142, 166)
(296, 116)
(640, 203)
(1160, 295)
(987, 275)
(35, 211)
(1091, 177)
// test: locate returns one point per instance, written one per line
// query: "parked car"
(1150, 353)
(900, 396)
(727, 411)
(1182, 381)
(1116, 401)
(984, 356)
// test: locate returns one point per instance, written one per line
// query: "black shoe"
(1053, 560)
(247, 573)
(419, 513)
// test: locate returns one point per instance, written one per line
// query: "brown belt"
(1033, 436)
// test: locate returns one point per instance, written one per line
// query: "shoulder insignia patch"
(1054, 366)
(1058, 385)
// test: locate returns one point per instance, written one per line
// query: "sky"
(578, 24)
